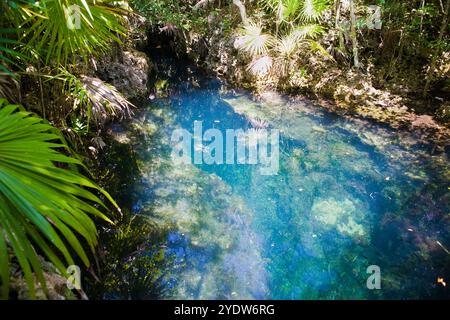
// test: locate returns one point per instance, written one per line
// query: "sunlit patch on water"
(347, 196)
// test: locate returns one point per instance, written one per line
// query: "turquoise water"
(348, 195)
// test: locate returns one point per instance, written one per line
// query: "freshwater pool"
(348, 195)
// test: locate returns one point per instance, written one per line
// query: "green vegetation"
(44, 32)
(41, 204)
(46, 44)
(46, 206)
(173, 16)
(135, 264)
(401, 47)
(371, 57)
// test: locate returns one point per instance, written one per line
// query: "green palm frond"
(97, 100)
(317, 47)
(53, 29)
(312, 10)
(287, 45)
(291, 8)
(8, 53)
(44, 209)
(253, 40)
(285, 10)
(310, 31)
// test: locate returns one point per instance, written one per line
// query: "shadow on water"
(348, 195)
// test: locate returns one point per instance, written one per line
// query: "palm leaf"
(8, 53)
(308, 31)
(52, 33)
(9, 87)
(98, 100)
(312, 10)
(317, 47)
(44, 209)
(253, 40)
(291, 7)
(260, 66)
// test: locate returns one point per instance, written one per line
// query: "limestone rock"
(128, 73)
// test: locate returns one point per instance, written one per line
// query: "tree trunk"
(353, 34)
(337, 26)
(337, 8)
(421, 16)
(436, 50)
(242, 11)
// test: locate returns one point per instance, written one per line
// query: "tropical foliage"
(55, 31)
(51, 40)
(47, 208)
(174, 16)
(44, 209)
(7, 52)
(96, 100)
(294, 31)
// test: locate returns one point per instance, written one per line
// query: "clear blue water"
(348, 195)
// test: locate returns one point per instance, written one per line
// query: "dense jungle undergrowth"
(64, 82)
(384, 60)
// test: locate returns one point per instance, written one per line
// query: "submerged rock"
(343, 215)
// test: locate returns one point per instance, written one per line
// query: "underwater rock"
(311, 244)
(201, 207)
(319, 129)
(343, 215)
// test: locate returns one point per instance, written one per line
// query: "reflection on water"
(347, 196)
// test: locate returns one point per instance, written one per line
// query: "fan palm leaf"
(9, 55)
(44, 209)
(291, 7)
(9, 87)
(287, 45)
(312, 10)
(253, 40)
(98, 100)
(310, 31)
(291, 10)
(52, 27)
(260, 66)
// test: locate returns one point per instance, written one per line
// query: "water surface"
(348, 195)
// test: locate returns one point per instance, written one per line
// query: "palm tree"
(49, 28)
(44, 34)
(260, 45)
